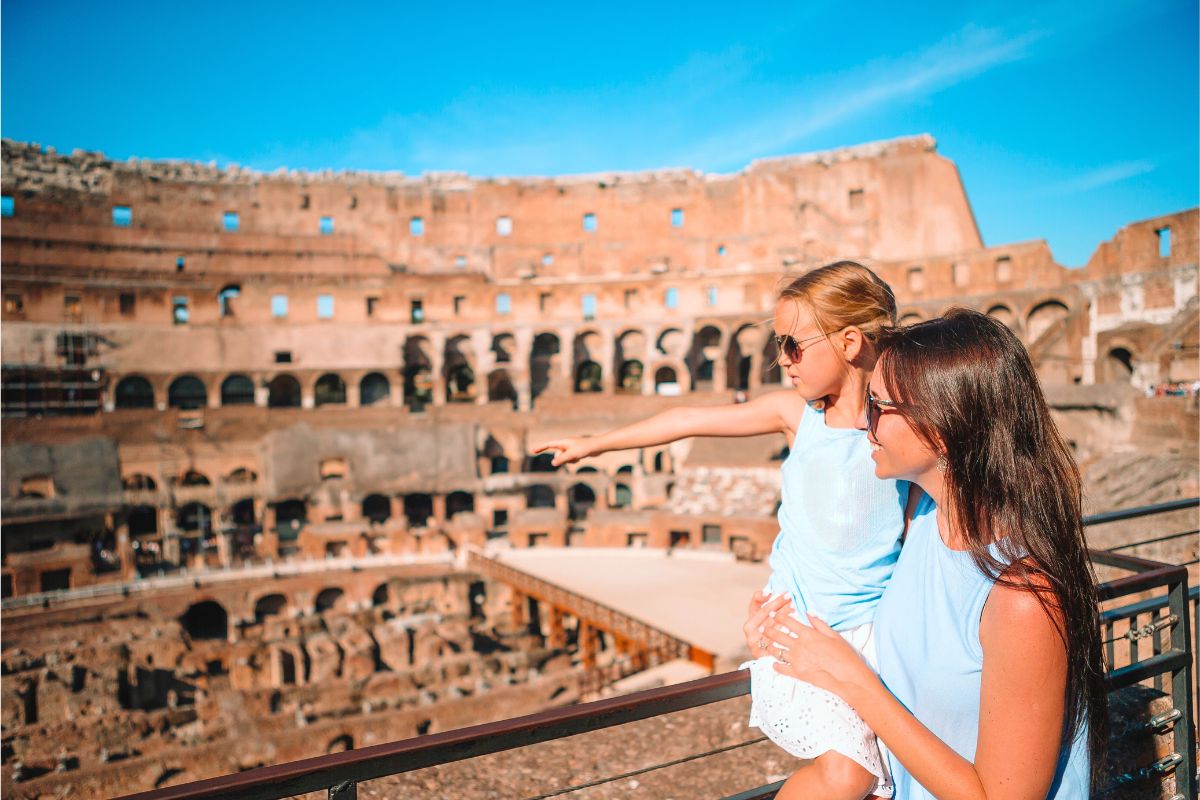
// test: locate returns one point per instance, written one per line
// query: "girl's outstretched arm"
(774, 412)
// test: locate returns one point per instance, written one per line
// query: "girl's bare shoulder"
(787, 405)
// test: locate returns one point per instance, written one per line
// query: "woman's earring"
(942, 464)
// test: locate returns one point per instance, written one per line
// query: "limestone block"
(358, 648)
(53, 704)
(393, 645)
(324, 657)
(13, 690)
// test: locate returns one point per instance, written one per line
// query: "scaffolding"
(67, 382)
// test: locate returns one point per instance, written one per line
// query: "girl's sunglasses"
(793, 348)
(876, 409)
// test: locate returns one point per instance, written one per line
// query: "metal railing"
(208, 577)
(339, 774)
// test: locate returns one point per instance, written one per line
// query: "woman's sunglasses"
(876, 409)
(794, 348)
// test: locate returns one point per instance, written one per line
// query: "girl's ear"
(852, 342)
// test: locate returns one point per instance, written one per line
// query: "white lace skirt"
(807, 721)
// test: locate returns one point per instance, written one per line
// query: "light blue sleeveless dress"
(930, 658)
(839, 538)
(839, 525)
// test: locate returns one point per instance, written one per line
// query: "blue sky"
(1067, 120)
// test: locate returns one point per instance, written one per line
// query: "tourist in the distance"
(840, 527)
(990, 677)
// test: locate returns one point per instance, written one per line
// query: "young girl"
(839, 525)
(990, 675)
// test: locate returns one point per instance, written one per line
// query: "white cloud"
(968, 53)
(1101, 176)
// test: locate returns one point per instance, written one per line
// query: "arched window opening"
(283, 392)
(418, 508)
(377, 508)
(187, 392)
(374, 389)
(539, 496)
(330, 389)
(138, 482)
(457, 502)
(331, 599)
(134, 392)
(237, 390)
(194, 478)
(589, 377)
(272, 605)
(194, 518)
(666, 382)
(206, 620)
(580, 500)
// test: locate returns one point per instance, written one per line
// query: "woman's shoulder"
(1022, 604)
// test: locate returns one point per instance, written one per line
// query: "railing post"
(1181, 689)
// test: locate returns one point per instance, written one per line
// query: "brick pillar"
(587, 644)
(556, 636)
(518, 609)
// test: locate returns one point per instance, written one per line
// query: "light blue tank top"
(839, 525)
(930, 658)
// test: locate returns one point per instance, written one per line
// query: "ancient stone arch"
(283, 391)
(418, 372)
(241, 475)
(581, 498)
(138, 482)
(630, 348)
(194, 517)
(501, 389)
(329, 389)
(1003, 313)
(134, 391)
(671, 342)
(187, 392)
(504, 347)
(271, 605)
(703, 357)
(542, 360)
(588, 353)
(458, 502)
(539, 495)
(331, 598)
(206, 619)
(194, 478)
(459, 369)
(374, 389)
(237, 390)
(377, 508)
(667, 378)
(1043, 316)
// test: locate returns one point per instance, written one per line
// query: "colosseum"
(265, 435)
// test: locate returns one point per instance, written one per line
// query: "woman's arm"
(768, 413)
(1021, 701)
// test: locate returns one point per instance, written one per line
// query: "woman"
(991, 680)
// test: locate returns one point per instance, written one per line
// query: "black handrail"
(341, 772)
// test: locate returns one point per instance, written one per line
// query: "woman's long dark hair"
(968, 388)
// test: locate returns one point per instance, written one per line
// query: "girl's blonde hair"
(845, 293)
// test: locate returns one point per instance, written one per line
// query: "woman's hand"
(757, 618)
(569, 450)
(820, 656)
